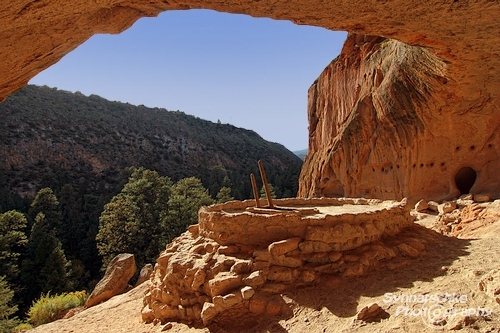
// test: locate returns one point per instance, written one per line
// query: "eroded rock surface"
(201, 275)
(388, 120)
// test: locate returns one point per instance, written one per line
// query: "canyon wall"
(396, 116)
(385, 121)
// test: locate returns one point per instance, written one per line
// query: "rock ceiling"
(459, 39)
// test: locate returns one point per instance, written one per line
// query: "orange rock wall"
(388, 119)
(385, 122)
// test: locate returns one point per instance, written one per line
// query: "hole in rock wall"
(465, 179)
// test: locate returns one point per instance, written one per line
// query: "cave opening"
(225, 67)
(465, 179)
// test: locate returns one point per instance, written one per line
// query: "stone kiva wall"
(240, 258)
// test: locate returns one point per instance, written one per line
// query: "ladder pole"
(255, 190)
(266, 185)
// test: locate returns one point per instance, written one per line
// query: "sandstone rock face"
(414, 115)
(386, 120)
(200, 276)
(115, 281)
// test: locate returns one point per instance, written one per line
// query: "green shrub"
(47, 307)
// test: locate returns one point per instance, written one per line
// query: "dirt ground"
(453, 286)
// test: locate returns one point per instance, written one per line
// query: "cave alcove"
(465, 179)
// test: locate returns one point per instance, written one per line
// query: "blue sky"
(249, 72)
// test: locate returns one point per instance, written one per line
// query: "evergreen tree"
(119, 227)
(45, 269)
(224, 195)
(131, 221)
(46, 202)
(263, 194)
(12, 242)
(188, 195)
(73, 227)
(7, 309)
(226, 182)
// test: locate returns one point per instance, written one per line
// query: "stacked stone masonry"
(239, 257)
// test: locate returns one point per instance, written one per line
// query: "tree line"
(43, 250)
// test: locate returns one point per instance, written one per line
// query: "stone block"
(274, 307)
(255, 279)
(334, 256)
(433, 206)
(231, 300)
(241, 266)
(257, 305)
(354, 270)
(282, 274)
(317, 258)
(284, 246)
(447, 207)
(228, 250)
(144, 274)
(224, 282)
(308, 276)
(286, 261)
(208, 312)
(247, 292)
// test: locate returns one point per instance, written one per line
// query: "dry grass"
(47, 307)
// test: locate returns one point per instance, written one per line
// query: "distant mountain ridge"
(301, 153)
(46, 131)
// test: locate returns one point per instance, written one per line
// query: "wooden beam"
(255, 190)
(266, 185)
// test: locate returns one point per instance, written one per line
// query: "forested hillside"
(46, 132)
(64, 157)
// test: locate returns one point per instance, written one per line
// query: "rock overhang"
(37, 34)
(463, 36)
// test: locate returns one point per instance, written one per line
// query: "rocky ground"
(454, 285)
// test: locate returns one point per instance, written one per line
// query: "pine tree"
(263, 192)
(119, 227)
(12, 242)
(188, 195)
(7, 322)
(45, 269)
(131, 222)
(224, 195)
(46, 202)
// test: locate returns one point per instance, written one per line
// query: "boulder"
(421, 206)
(144, 274)
(115, 281)
(433, 206)
(372, 313)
